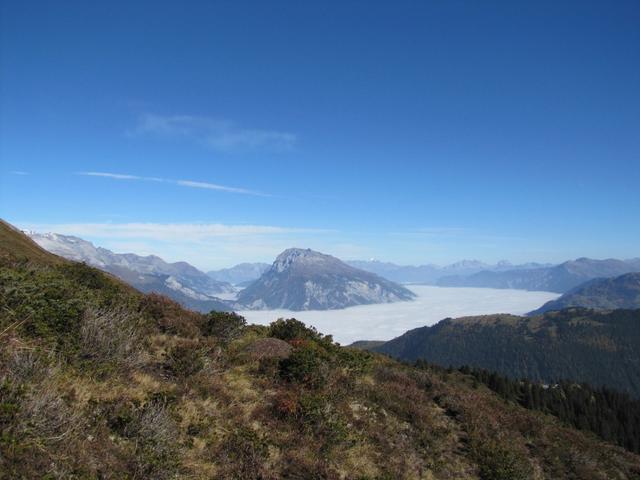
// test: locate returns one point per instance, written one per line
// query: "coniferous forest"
(612, 415)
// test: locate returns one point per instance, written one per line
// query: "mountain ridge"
(559, 278)
(431, 273)
(600, 294)
(180, 280)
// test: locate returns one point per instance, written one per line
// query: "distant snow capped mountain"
(240, 274)
(431, 274)
(181, 281)
(308, 280)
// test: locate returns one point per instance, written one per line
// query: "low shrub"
(499, 462)
(186, 358)
(170, 317)
(243, 455)
(110, 336)
(153, 432)
(292, 329)
(307, 364)
(225, 326)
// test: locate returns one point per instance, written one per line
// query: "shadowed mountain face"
(307, 280)
(240, 274)
(560, 278)
(601, 294)
(600, 348)
(180, 280)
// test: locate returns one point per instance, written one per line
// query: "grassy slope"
(18, 245)
(100, 381)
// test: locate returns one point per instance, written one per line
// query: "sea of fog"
(388, 320)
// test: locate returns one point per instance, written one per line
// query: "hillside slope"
(600, 348)
(601, 294)
(100, 381)
(180, 280)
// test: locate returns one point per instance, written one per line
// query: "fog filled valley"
(389, 320)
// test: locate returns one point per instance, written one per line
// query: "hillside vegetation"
(100, 381)
(599, 348)
(611, 415)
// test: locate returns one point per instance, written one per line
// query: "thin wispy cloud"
(218, 134)
(213, 186)
(181, 183)
(18, 172)
(117, 176)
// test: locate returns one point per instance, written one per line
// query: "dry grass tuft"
(111, 336)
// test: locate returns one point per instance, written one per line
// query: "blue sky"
(219, 132)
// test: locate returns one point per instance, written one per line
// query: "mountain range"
(601, 294)
(307, 280)
(98, 380)
(297, 280)
(431, 273)
(577, 344)
(559, 278)
(181, 281)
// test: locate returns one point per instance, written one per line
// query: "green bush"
(226, 326)
(244, 454)
(185, 359)
(497, 462)
(292, 329)
(85, 275)
(307, 364)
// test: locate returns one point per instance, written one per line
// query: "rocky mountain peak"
(303, 279)
(299, 256)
